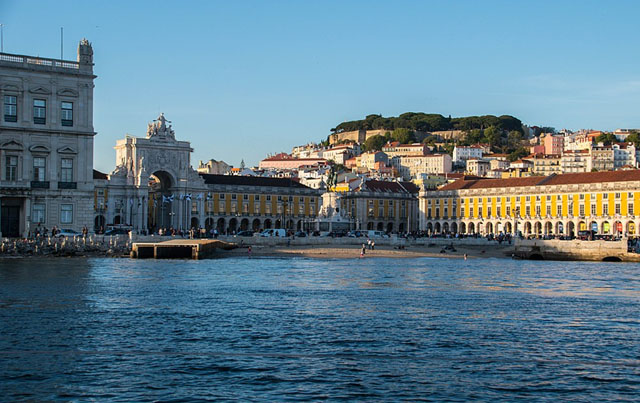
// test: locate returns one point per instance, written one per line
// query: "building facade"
(154, 186)
(412, 166)
(605, 202)
(46, 142)
(382, 205)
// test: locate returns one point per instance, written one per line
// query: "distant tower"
(85, 55)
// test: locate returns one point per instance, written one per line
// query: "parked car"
(279, 232)
(300, 234)
(245, 233)
(354, 234)
(67, 233)
(116, 231)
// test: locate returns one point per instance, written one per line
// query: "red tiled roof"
(99, 175)
(565, 179)
(389, 187)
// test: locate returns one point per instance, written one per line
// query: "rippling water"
(296, 329)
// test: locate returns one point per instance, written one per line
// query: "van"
(279, 232)
(376, 234)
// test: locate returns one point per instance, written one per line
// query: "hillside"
(429, 122)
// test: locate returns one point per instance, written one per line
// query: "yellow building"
(606, 202)
(388, 206)
(237, 203)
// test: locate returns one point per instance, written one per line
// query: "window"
(234, 196)
(488, 211)
(66, 174)
(446, 212)
(518, 211)
(527, 211)
(617, 195)
(66, 114)
(194, 207)
(605, 209)
(559, 210)
(234, 207)
(630, 209)
(38, 213)
(267, 208)
(593, 210)
(221, 207)
(605, 195)
(301, 209)
(538, 211)
(617, 208)
(221, 196)
(66, 213)
(245, 197)
(11, 168)
(245, 208)
(39, 166)
(508, 211)
(256, 197)
(268, 197)
(581, 196)
(548, 198)
(630, 195)
(10, 108)
(581, 210)
(39, 111)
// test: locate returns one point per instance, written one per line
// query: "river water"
(266, 329)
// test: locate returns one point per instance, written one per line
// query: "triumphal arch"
(153, 182)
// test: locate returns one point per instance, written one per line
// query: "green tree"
(492, 136)
(634, 138)
(404, 136)
(606, 138)
(517, 154)
(473, 136)
(373, 143)
(514, 138)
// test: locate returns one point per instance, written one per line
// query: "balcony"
(39, 184)
(67, 185)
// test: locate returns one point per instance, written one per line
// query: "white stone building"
(413, 166)
(463, 153)
(46, 142)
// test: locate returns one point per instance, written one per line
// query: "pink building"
(285, 161)
(553, 144)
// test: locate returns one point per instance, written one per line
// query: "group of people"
(371, 245)
(40, 231)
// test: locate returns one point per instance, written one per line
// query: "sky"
(243, 79)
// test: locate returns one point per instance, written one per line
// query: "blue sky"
(243, 79)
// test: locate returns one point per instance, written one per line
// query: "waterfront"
(294, 328)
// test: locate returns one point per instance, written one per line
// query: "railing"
(39, 61)
(40, 184)
(67, 185)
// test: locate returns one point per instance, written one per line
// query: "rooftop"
(235, 180)
(565, 179)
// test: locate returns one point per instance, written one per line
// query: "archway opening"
(160, 206)
(255, 226)
(99, 224)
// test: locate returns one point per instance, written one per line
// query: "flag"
(209, 196)
(187, 196)
(200, 196)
